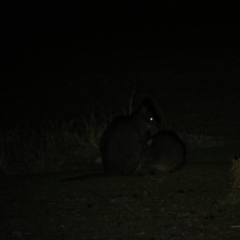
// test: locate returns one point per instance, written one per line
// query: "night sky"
(26, 23)
(47, 46)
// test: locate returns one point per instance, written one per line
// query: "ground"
(190, 204)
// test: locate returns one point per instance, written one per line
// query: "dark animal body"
(132, 141)
(123, 142)
(166, 152)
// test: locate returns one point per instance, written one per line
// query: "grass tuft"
(51, 146)
(92, 129)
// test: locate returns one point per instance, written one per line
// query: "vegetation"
(49, 146)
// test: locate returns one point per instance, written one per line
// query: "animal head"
(147, 113)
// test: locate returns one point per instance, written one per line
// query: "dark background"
(59, 58)
(27, 23)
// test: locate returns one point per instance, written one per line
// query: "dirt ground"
(189, 204)
(198, 92)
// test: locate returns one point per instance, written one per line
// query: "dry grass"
(43, 149)
(53, 146)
